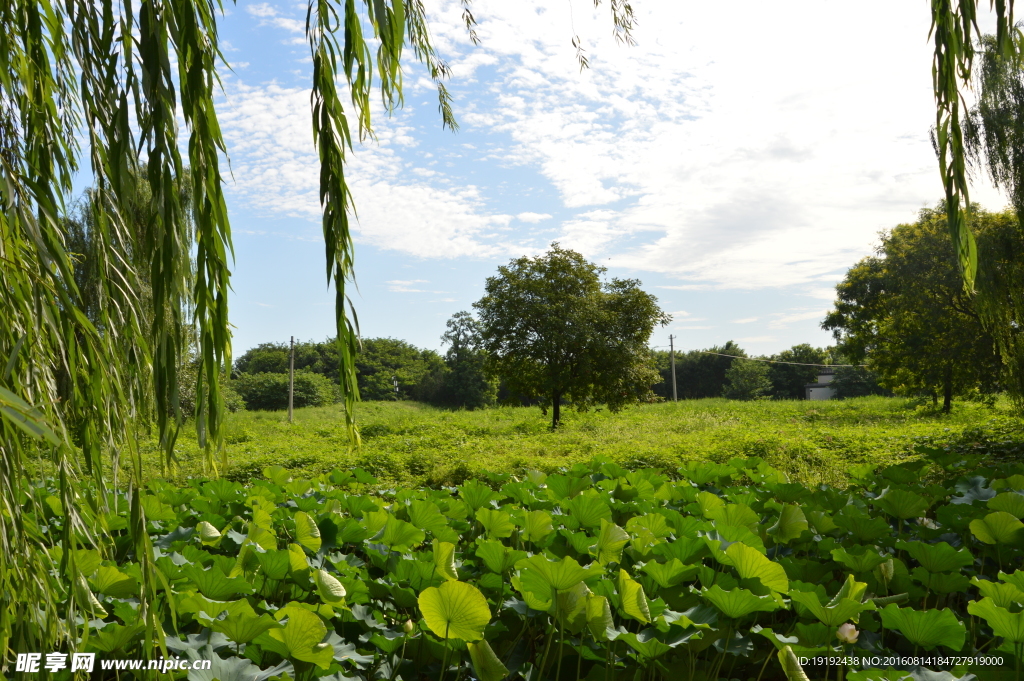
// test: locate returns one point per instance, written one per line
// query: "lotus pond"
(712, 571)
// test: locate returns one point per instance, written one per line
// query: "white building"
(822, 390)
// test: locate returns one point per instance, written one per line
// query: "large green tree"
(699, 373)
(906, 313)
(552, 329)
(466, 383)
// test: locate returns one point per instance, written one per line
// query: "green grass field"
(409, 443)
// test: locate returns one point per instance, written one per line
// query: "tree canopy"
(553, 330)
(905, 311)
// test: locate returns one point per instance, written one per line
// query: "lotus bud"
(409, 626)
(847, 633)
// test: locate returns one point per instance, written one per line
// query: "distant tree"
(856, 381)
(906, 313)
(788, 380)
(553, 330)
(381, 360)
(747, 380)
(320, 358)
(699, 373)
(465, 383)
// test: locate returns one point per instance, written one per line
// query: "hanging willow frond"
(954, 28)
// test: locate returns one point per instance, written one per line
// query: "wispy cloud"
(783, 319)
(745, 320)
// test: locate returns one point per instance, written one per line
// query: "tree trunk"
(556, 413)
(947, 391)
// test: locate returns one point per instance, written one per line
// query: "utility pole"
(394, 379)
(291, 379)
(672, 357)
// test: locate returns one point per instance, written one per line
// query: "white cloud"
(261, 9)
(783, 319)
(745, 320)
(276, 171)
(533, 218)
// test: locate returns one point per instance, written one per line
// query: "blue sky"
(737, 161)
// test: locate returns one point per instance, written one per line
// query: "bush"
(269, 392)
(746, 380)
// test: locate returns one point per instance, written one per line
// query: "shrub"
(269, 392)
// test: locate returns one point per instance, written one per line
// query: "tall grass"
(406, 443)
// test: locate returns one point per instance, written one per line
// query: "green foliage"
(466, 383)
(699, 374)
(532, 581)
(747, 380)
(856, 381)
(552, 330)
(905, 312)
(788, 380)
(269, 392)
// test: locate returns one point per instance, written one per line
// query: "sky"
(737, 161)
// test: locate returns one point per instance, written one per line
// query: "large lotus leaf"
(537, 525)
(632, 598)
(651, 643)
(444, 559)
(243, 627)
(686, 549)
(110, 581)
(455, 610)
(752, 564)
(791, 665)
(236, 669)
(821, 521)
(476, 494)
(400, 535)
(572, 607)
(1015, 481)
(331, 590)
(213, 583)
(832, 615)
(940, 557)
(275, 564)
(302, 636)
(851, 589)
(208, 534)
(721, 538)
(610, 542)
(926, 628)
(859, 558)
(780, 642)
(791, 524)
(497, 523)
(703, 472)
(671, 573)
(972, 490)
(708, 502)
(262, 537)
(599, 617)
(739, 602)
(652, 523)
(1017, 578)
(565, 487)
(557, 575)
(1010, 502)
(588, 509)
(864, 528)
(901, 503)
(485, 663)
(941, 582)
(998, 528)
(1002, 594)
(498, 557)
(116, 636)
(737, 515)
(427, 516)
(1003, 622)
(206, 610)
(352, 532)
(307, 534)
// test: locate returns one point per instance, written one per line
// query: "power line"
(769, 361)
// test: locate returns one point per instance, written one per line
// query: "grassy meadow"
(409, 443)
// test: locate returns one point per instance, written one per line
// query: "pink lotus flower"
(847, 633)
